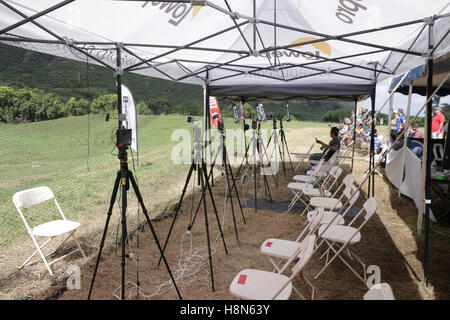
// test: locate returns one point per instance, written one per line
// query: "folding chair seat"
(379, 291)
(332, 216)
(52, 229)
(343, 237)
(304, 192)
(255, 284)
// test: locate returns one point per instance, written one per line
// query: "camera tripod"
(198, 165)
(257, 144)
(124, 177)
(282, 147)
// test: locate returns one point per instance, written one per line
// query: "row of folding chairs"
(325, 228)
(256, 284)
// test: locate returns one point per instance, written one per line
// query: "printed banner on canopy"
(235, 114)
(214, 112)
(242, 111)
(129, 109)
(260, 112)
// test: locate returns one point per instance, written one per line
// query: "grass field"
(56, 153)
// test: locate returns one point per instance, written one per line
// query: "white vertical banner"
(129, 109)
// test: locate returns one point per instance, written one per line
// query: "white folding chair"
(302, 157)
(52, 229)
(281, 249)
(255, 284)
(333, 202)
(333, 217)
(379, 291)
(308, 191)
(343, 237)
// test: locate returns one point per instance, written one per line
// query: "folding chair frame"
(50, 196)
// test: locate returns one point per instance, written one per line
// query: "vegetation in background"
(71, 88)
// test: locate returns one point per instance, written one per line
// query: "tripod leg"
(280, 146)
(208, 186)
(105, 230)
(287, 149)
(240, 167)
(188, 178)
(207, 231)
(235, 189)
(229, 196)
(144, 210)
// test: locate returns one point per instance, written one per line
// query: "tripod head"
(281, 123)
(274, 123)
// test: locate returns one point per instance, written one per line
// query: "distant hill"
(66, 78)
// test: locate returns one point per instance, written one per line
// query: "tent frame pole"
(405, 136)
(354, 131)
(428, 151)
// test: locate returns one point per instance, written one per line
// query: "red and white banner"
(214, 112)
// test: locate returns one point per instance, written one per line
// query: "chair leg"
(305, 287)
(34, 253)
(42, 255)
(79, 246)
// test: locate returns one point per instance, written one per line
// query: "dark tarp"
(328, 91)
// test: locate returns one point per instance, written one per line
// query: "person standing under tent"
(401, 120)
(437, 124)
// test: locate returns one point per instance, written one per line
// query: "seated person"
(416, 132)
(330, 148)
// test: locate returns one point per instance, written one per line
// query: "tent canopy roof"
(232, 43)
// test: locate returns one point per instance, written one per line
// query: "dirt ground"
(388, 241)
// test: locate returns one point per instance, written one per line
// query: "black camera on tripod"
(124, 138)
(254, 124)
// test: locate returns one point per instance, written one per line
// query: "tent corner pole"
(354, 131)
(428, 170)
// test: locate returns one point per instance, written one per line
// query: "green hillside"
(20, 68)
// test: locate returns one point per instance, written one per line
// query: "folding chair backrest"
(318, 216)
(380, 291)
(336, 172)
(351, 193)
(348, 179)
(31, 197)
(317, 170)
(370, 206)
(306, 255)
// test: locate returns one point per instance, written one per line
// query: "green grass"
(55, 153)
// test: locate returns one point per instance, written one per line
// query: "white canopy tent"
(262, 48)
(229, 43)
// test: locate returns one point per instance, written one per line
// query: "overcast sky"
(400, 100)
